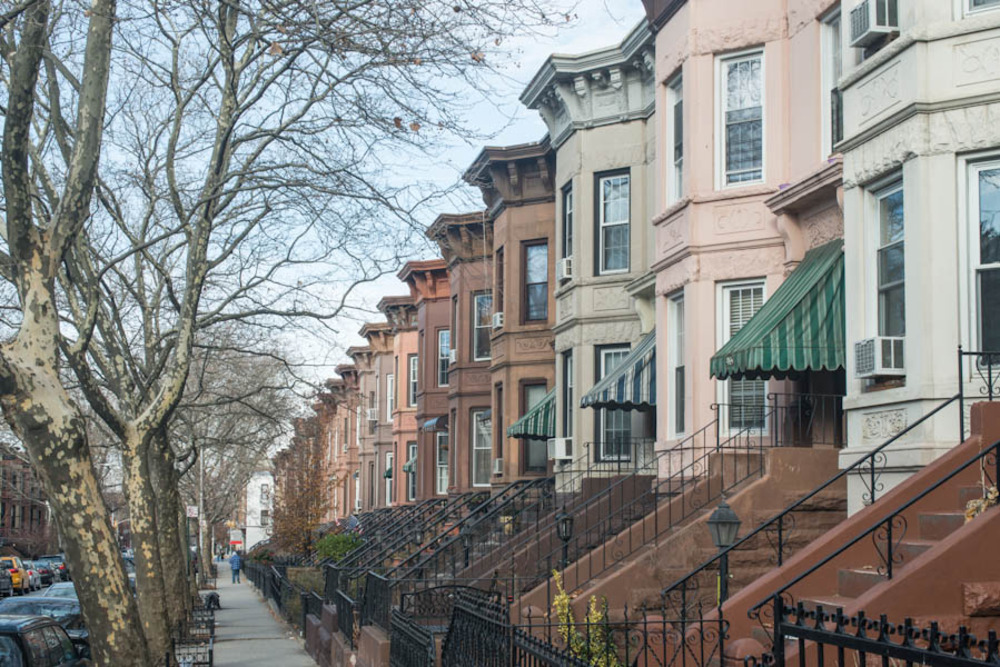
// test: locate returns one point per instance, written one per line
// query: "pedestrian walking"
(235, 562)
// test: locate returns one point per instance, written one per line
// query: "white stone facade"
(259, 508)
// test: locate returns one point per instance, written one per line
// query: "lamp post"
(466, 544)
(564, 528)
(723, 526)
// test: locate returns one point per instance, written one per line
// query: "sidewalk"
(246, 633)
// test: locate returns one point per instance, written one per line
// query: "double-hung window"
(482, 448)
(677, 376)
(614, 427)
(741, 92)
(390, 396)
(567, 388)
(985, 253)
(833, 66)
(536, 281)
(535, 451)
(411, 389)
(441, 463)
(743, 407)
(890, 257)
(972, 6)
(482, 311)
(411, 476)
(567, 221)
(675, 139)
(444, 347)
(613, 217)
(388, 478)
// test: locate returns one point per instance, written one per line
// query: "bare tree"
(234, 171)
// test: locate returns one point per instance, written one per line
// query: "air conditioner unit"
(373, 414)
(452, 356)
(357, 504)
(881, 356)
(564, 268)
(498, 320)
(497, 466)
(872, 20)
(561, 449)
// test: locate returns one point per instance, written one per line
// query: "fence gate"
(480, 634)
(412, 644)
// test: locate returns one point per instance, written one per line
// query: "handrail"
(779, 518)
(406, 514)
(888, 523)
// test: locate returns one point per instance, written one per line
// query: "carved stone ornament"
(884, 424)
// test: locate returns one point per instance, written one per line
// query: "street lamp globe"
(564, 525)
(724, 525)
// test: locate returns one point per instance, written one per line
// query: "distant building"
(24, 511)
(259, 499)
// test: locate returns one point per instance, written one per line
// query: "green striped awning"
(410, 466)
(538, 423)
(800, 328)
(632, 384)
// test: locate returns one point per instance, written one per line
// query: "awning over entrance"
(388, 473)
(410, 466)
(538, 423)
(800, 328)
(632, 384)
(437, 424)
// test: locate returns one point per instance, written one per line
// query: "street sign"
(192, 511)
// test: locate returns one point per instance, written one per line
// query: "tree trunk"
(44, 417)
(173, 558)
(149, 579)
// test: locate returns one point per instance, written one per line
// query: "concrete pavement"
(247, 633)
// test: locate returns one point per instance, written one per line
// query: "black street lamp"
(564, 528)
(723, 525)
(466, 544)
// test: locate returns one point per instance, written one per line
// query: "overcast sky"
(596, 24)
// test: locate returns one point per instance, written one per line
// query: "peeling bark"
(173, 557)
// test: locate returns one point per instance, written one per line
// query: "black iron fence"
(807, 420)
(817, 636)
(377, 601)
(412, 644)
(347, 621)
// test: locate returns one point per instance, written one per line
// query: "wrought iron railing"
(886, 533)
(412, 644)
(377, 601)
(698, 590)
(398, 529)
(807, 420)
(979, 372)
(480, 634)
(859, 640)
(346, 619)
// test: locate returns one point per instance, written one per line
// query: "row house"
(515, 331)
(462, 350)
(378, 453)
(401, 314)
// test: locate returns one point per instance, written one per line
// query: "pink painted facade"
(401, 313)
(728, 231)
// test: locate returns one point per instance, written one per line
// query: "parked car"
(18, 573)
(58, 562)
(34, 578)
(64, 589)
(37, 641)
(6, 583)
(44, 572)
(64, 611)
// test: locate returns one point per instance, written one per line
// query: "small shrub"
(335, 547)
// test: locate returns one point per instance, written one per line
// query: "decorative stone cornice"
(822, 183)
(514, 175)
(349, 374)
(379, 336)
(362, 356)
(400, 312)
(603, 87)
(427, 279)
(464, 237)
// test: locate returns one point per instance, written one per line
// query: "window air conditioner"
(879, 357)
(498, 466)
(452, 356)
(872, 20)
(373, 414)
(561, 449)
(564, 268)
(498, 320)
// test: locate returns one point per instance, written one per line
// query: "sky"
(595, 24)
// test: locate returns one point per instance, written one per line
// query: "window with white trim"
(744, 399)
(973, 6)
(613, 219)
(831, 100)
(675, 139)
(536, 454)
(741, 93)
(614, 427)
(411, 477)
(482, 311)
(567, 389)
(390, 396)
(482, 448)
(567, 220)
(889, 260)
(984, 180)
(536, 281)
(444, 346)
(389, 473)
(414, 367)
(677, 368)
(441, 463)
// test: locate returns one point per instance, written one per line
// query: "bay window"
(613, 218)
(444, 347)
(985, 253)
(411, 475)
(741, 91)
(536, 281)
(411, 390)
(675, 141)
(567, 221)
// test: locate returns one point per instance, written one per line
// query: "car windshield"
(60, 591)
(61, 613)
(10, 653)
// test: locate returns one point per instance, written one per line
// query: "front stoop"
(373, 647)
